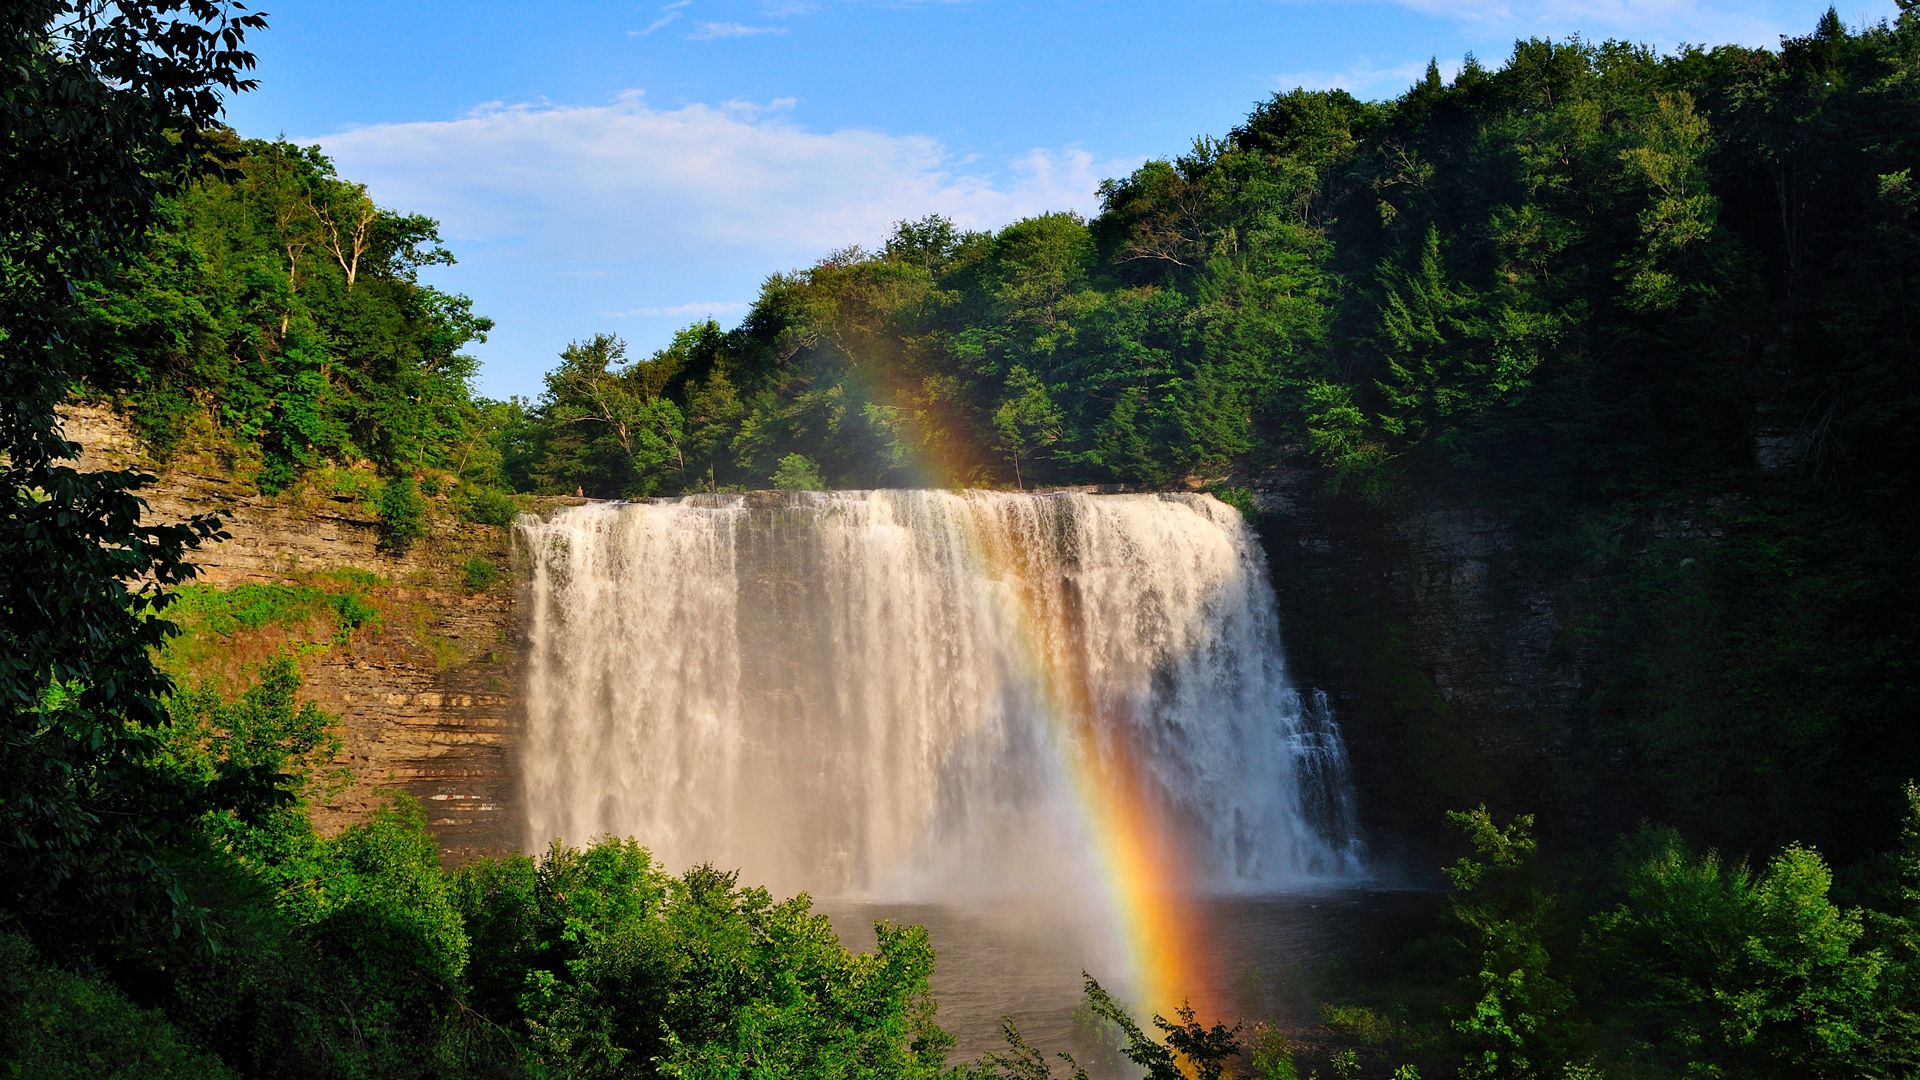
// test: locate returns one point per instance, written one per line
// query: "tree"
(608, 433)
(615, 968)
(1515, 1023)
(1037, 263)
(1681, 212)
(1894, 931)
(1723, 972)
(104, 108)
(714, 412)
(402, 512)
(1187, 1048)
(927, 243)
(797, 472)
(1027, 420)
(237, 312)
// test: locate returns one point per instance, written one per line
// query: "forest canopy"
(1593, 267)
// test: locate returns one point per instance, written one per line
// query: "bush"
(481, 574)
(161, 417)
(209, 616)
(1240, 499)
(355, 611)
(57, 1024)
(797, 472)
(275, 474)
(1725, 971)
(488, 506)
(403, 514)
(617, 969)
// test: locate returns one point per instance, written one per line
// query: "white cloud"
(1658, 22)
(668, 14)
(568, 217)
(626, 180)
(712, 31)
(696, 309)
(1363, 78)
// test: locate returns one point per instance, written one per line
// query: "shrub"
(57, 1024)
(276, 472)
(488, 506)
(1727, 971)
(480, 574)
(161, 417)
(797, 472)
(355, 611)
(403, 514)
(615, 968)
(1240, 499)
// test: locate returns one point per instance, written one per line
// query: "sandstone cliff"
(426, 694)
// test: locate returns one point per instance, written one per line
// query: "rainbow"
(1147, 877)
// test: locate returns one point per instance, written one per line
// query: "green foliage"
(323, 956)
(797, 472)
(210, 617)
(479, 574)
(1722, 972)
(101, 112)
(1020, 1061)
(55, 1025)
(1027, 421)
(159, 840)
(1271, 1054)
(1367, 1025)
(487, 505)
(1435, 283)
(278, 306)
(267, 729)
(1752, 659)
(1893, 929)
(603, 426)
(223, 611)
(1690, 966)
(1187, 1048)
(1570, 283)
(1515, 1024)
(1242, 501)
(402, 514)
(612, 967)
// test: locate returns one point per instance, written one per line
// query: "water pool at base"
(1273, 957)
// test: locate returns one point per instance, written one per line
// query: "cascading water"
(862, 692)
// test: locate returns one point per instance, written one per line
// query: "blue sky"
(634, 167)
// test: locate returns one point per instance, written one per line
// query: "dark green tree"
(103, 108)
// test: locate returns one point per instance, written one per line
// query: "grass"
(480, 574)
(227, 631)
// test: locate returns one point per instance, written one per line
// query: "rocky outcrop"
(428, 704)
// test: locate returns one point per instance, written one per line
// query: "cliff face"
(427, 697)
(1449, 653)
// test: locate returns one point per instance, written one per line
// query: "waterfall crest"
(859, 692)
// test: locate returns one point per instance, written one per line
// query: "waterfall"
(860, 692)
